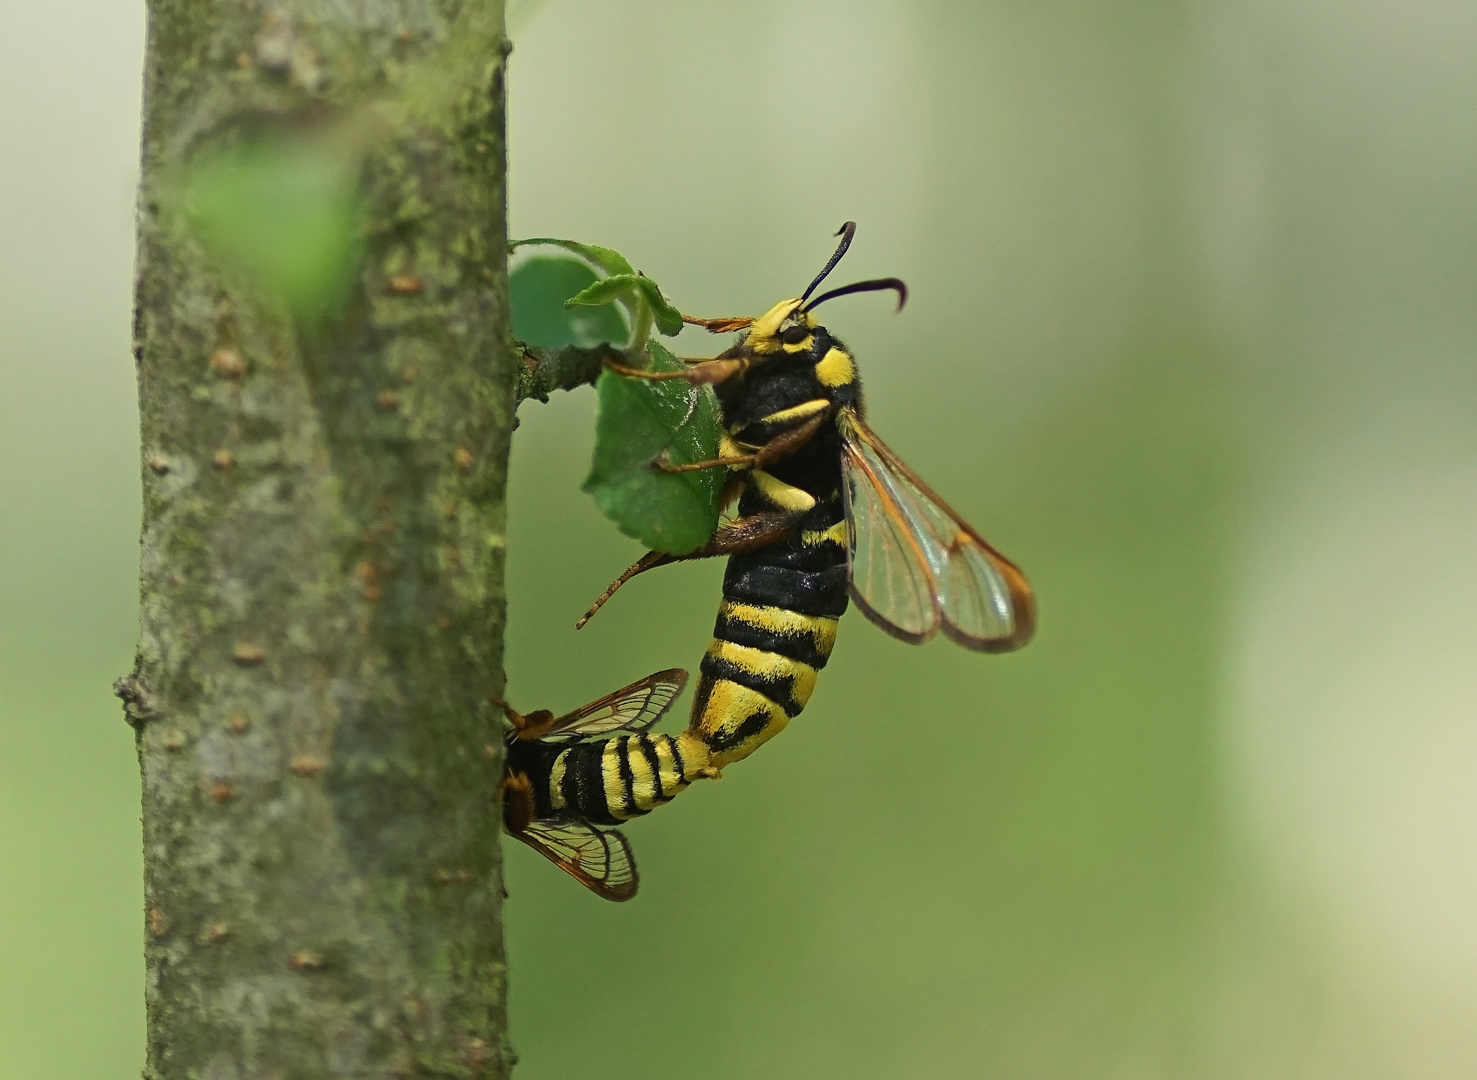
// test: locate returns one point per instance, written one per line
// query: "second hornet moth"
(566, 776)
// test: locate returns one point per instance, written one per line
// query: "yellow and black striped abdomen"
(774, 633)
(607, 781)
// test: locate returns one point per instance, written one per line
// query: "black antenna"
(846, 232)
(875, 285)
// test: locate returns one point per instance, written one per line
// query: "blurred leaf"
(641, 297)
(612, 262)
(638, 420)
(638, 287)
(286, 213)
(539, 288)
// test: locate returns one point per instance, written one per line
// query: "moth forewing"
(979, 598)
(632, 708)
(887, 574)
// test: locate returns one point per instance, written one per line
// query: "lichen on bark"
(322, 589)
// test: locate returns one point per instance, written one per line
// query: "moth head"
(784, 328)
(789, 327)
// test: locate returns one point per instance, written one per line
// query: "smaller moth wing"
(600, 860)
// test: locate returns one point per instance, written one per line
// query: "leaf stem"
(641, 319)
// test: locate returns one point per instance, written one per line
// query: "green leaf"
(640, 296)
(638, 420)
(612, 262)
(606, 290)
(538, 289)
(668, 318)
(284, 212)
(630, 289)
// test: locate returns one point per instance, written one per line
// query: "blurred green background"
(1191, 337)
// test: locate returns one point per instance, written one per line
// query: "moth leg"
(516, 792)
(783, 444)
(642, 373)
(526, 728)
(787, 442)
(700, 373)
(745, 534)
(646, 562)
(720, 326)
(742, 462)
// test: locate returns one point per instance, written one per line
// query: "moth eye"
(794, 335)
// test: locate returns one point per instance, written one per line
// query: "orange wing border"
(1022, 597)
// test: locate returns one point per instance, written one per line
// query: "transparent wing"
(631, 708)
(916, 566)
(601, 861)
(891, 578)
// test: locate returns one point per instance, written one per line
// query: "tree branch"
(322, 588)
(545, 370)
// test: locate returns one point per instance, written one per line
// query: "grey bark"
(322, 581)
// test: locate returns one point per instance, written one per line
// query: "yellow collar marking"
(836, 368)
